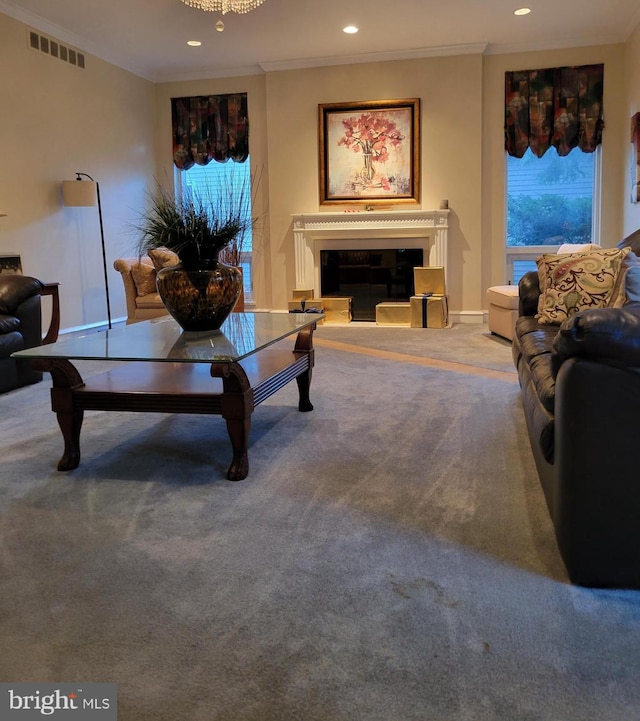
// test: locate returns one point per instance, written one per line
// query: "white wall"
(56, 119)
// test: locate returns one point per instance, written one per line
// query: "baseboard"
(468, 316)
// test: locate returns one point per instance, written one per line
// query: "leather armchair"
(21, 326)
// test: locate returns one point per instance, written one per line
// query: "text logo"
(60, 701)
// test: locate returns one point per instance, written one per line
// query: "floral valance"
(555, 106)
(212, 127)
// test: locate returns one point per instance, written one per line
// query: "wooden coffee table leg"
(70, 425)
(304, 344)
(239, 435)
(304, 384)
(65, 379)
(237, 406)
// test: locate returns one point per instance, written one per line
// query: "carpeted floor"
(389, 557)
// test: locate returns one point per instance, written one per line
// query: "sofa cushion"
(144, 278)
(632, 284)
(573, 282)
(536, 343)
(163, 258)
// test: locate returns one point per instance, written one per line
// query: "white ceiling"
(148, 37)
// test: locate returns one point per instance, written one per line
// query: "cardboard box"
(429, 311)
(302, 294)
(337, 310)
(429, 280)
(393, 314)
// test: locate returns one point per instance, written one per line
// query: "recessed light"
(522, 11)
(194, 43)
(350, 29)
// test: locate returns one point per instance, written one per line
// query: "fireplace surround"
(350, 230)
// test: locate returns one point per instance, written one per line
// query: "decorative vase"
(200, 299)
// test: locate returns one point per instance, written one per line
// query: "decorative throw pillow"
(163, 257)
(144, 278)
(576, 281)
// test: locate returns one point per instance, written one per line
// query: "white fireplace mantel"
(347, 230)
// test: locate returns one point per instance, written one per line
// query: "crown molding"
(508, 48)
(381, 57)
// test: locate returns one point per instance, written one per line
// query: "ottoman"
(503, 309)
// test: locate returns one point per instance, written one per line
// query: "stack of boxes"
(335, 310)
(430, 304)
(428, 308)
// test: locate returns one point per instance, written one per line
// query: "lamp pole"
(79, 177)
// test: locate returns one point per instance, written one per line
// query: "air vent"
(54, 48)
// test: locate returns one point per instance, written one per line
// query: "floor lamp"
(78, 193)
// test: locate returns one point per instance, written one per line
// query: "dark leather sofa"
(580, 385)
(21, 326)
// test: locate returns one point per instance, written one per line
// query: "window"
(551, 201)
(204, 179)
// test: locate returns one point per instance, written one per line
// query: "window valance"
(555, 106)
(206, 128)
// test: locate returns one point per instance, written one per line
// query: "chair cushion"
(504, 296)
(10, 343)
(15, 289)
(144, 278)
(9, 324)
(573, 282)
(152, 300)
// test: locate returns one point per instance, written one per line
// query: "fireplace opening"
(369, 277)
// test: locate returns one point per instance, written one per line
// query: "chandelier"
(224, 6)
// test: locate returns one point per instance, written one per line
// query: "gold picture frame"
(369, 152)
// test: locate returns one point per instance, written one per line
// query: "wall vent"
(56, 49)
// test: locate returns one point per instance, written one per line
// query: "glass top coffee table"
(164, 369)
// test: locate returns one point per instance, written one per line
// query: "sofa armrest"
(609, 335)
(528, 292)
(54, 324)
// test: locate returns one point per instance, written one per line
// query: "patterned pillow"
(144, 278)
(576, 281)
(162, 258)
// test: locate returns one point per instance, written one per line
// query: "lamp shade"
(78, 193)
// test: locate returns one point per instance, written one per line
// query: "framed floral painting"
(369, 152)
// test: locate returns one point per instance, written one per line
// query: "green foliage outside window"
(549, 199)
(548, 220)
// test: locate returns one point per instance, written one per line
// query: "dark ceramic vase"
(200, 299)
